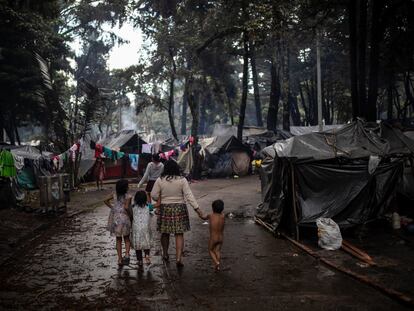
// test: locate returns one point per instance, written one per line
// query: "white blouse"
(173, 191)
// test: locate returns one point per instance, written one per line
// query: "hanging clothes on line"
(146, 148)
(98, 150)
(134, 161)
(55, 161)
(73, 150)
(107, 152)
(7, 168)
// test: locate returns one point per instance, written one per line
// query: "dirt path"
(74, 267)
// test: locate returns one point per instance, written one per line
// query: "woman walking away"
(173, 191)
(153, 171)
(141, 229)
(119, 222)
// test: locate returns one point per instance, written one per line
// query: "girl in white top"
(152, 172)
(173, 192)
(141, 228)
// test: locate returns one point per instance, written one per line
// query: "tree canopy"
(236, 62)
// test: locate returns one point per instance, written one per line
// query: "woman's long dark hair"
(171, 170)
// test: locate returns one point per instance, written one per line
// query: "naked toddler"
(216, 224)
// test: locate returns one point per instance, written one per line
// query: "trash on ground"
(329, 234)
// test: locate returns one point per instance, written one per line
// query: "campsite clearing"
(73, 265)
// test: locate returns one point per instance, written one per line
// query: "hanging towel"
(120, 154)
(7, 168)
(134, 160)
(55, 161)
(73, 150)
(107, 152)
(61, 162)
(146, 148)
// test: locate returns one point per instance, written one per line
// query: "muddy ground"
(72, 266)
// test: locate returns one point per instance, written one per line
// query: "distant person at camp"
(119, 221)
(99, 172)
(216, 220)
(172, 192)
(152, 172)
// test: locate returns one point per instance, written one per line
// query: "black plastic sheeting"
(350, 175)
(222, 166)
(347, 193)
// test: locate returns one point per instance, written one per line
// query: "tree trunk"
(313, 107)
(389, 102)
(362, 42)
(230, 106)
(184, 111)
(352, 12)
(274, 97)
(193, 105)
(305, 108)
(374, 55)
(286, 90)
(171, 107)
(244, 86)
(258, 105)
(294, 110)
(203, 115)
(407, 88)
(171, 98)
(17, 135)
(326, 107)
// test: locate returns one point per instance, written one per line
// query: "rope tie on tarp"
(333, 145)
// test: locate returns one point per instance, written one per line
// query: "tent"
(127, 141)
(225, 156)
(350, 175)
(259, 140)
(256, 137)
(27, 176)
(301, 130)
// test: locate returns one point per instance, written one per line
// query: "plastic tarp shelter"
(302, 130)
(225, 155)
(350, 175)
(125, 140)
(26, 178)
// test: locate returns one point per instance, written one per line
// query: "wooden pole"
(396, 295)
(295, 212)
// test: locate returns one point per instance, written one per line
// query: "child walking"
(141, 228)
(216, 220)
(119, 222)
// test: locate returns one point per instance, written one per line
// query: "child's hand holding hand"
(200, 214)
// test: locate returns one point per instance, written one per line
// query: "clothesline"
(58, 161)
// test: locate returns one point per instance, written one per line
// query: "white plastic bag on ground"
(330, 237)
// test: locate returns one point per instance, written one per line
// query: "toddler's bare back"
(216, 226)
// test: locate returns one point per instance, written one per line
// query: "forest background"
(203, 62)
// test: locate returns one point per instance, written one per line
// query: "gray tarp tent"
(125, 140)
(225, 156)
(256, 137)
(349, 175)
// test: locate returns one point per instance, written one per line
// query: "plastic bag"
(330, 237)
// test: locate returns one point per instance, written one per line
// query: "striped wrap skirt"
(173, 219)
